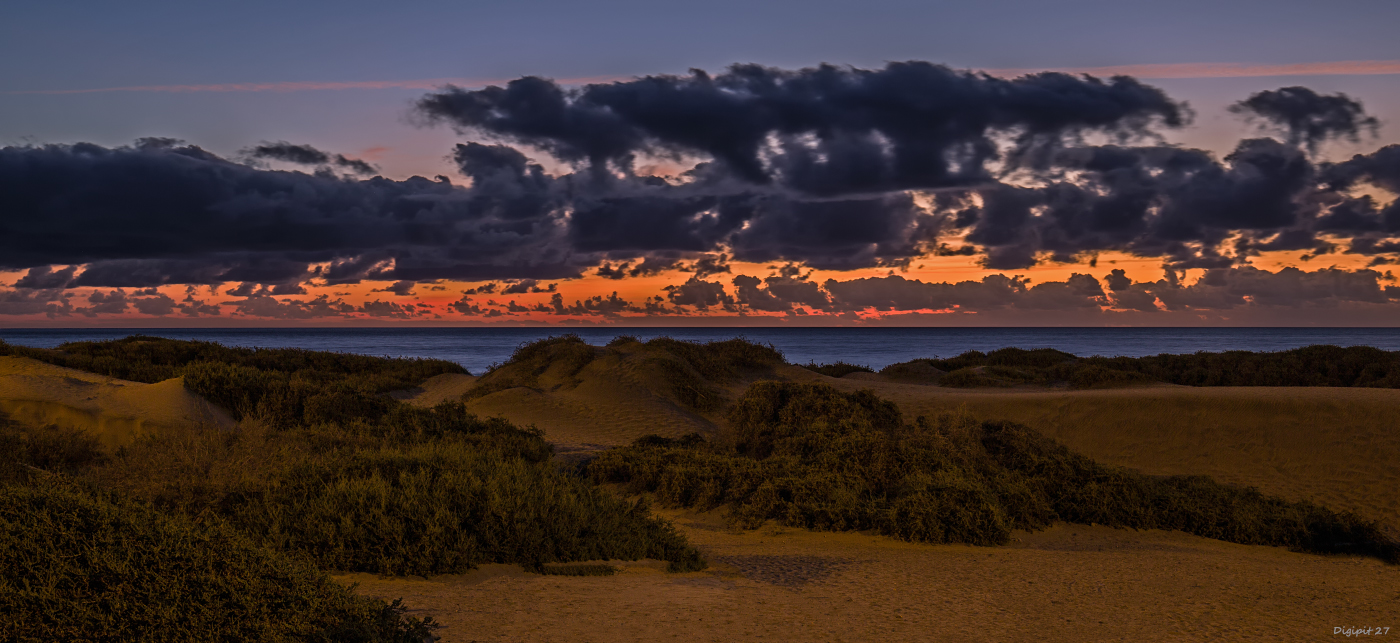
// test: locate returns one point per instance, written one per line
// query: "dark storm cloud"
(306, 155)
(154, 215)
(822, 130)
(41, 277)
(832, 168)
(819, 166)
(1306, 117)
(1175, 203)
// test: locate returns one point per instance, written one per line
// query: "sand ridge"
(115, 411)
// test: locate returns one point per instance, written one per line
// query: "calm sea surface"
(475, 348)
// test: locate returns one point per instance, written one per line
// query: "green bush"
(808, 455)
(82, 569)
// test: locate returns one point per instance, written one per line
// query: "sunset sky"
(719, 163)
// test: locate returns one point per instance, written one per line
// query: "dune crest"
(608, 396)
(113, 410)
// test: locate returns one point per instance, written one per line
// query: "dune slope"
(115, 411)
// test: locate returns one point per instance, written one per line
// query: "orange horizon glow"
(432, 303)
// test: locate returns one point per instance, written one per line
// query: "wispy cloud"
(303, 86)
(1226, 70)
(1168, 70)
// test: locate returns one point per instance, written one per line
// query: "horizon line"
(1151, 71)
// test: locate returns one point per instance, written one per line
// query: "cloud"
(701, 294)
(821, 130)
(307, 155)
(50, 303)
(140, 216)
(1308, 118)
(1219, 289)
(263, 305)
(399, 288)
(831, 168)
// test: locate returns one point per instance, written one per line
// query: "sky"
(897, 163)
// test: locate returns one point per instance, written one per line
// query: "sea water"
(477, 348)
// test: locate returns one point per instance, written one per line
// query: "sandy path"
(1070, 583)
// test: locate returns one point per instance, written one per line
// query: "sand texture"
(437, 389)
(1071, 583)
(115, 411)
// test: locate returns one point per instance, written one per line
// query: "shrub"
(1308, 366)
(446, 507)
(722, 361)
(565, 354)
(808, 455)
(81, 568)
(29, 451)
(838, 369)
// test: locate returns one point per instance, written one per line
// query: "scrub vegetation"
(693, 372)
(324, 470)
(836, 369)
(809, 455)
(1309, 366)
(83, 567)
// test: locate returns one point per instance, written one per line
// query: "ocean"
(477, 348)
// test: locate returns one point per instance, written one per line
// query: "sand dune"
(116, 411)
(437, 389)
(614, 399)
